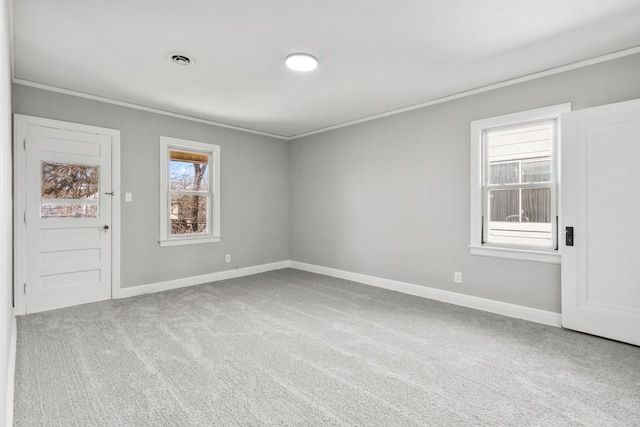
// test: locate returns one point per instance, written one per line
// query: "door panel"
(600, 278)
(67, 207)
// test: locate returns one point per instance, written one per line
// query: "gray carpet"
(293, 348)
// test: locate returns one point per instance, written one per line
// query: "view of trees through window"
(189, 192)
(69, 190)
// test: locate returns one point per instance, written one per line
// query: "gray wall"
(390, 197)
(6, 243)
(254, 180)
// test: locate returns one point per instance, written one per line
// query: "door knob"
(106, 227)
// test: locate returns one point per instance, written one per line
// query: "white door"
(601, 201)
(67, 217)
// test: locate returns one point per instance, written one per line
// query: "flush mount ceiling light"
(301, 62)
(179, 59)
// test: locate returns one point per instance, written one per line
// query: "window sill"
(188, 241)
(550, 257)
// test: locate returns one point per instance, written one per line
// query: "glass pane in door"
(69, 190)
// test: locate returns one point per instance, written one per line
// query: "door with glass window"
(67, 218)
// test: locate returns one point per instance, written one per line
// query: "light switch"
(128, 197)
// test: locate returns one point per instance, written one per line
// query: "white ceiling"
(376, 56)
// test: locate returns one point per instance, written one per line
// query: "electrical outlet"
(227, 258)
(128, 197)
(457, 277)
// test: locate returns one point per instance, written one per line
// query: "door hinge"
(25, 288)
(24, 217)
(24, 144)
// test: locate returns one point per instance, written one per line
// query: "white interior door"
(601, 201)
(67, 217)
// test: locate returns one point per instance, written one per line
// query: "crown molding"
(143, 108)
(529, 77)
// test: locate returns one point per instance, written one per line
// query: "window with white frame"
(190, 192)
(514, 185)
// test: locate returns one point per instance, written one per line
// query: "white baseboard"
(492, 306)
(198, 280)
(11, 371)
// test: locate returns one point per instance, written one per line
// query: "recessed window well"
(301, 62)
(181, 59)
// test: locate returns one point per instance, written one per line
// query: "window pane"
(536, 205)
(504, 173)
(532, 227)
(189, 213)
(69, 190)
(68, 211)
(188, 171)
(531, 141)
(504, 205)
(538, 171)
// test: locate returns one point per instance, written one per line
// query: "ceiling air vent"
(181, 59)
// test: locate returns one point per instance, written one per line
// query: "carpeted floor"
(290, 348)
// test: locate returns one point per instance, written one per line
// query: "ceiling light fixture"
(180, 59)
(301, 62)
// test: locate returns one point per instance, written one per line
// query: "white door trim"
(20, 123)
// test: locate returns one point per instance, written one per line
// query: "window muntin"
(514, 185)
(190, 196)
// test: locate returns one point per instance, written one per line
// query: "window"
(190, 192)
(514, 185)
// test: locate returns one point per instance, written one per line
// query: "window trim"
(476, 246)
(213, 219)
